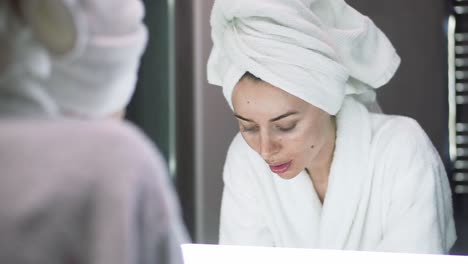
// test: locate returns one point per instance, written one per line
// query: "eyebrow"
(290, 113)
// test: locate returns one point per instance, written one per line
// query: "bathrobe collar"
(349, 174)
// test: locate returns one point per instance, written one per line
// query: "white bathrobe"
(91, 192)
(387, 191)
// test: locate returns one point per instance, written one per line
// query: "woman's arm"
(419, 218)
(241, 221)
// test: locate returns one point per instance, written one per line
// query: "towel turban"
(317, 50)
(81, 54)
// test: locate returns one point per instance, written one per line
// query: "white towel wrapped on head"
(94, 75)
(319, 51)
(101, 78)
(23, 63)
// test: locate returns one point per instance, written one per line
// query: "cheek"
(304, 145)
(301, 149)
(298, 146)
(304, 139)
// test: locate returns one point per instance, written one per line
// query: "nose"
(268, 146)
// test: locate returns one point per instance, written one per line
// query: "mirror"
(203, 122)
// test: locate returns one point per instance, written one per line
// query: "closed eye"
(249, 129)
(287, 128)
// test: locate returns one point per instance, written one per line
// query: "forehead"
(259, 97)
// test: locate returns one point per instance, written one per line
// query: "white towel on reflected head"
(23, 62)
(101, 78)
(319, 51)
(95, 78)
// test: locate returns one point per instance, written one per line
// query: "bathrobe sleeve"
(417, 198)
(241, 220)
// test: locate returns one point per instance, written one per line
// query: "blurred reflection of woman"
(76, 184)
(316, 164)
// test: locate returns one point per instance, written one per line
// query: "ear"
(58, 24)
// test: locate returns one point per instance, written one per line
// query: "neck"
(320, 169)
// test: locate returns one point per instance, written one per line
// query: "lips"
(280, 168)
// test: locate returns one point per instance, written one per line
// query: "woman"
(315, 165)
(77, 184)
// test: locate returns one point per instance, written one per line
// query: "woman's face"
(289, 133)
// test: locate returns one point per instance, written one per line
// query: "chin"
(288, 175)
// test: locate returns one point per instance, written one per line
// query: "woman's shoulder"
(394, 135)
(95, 143)
(382, 123)
(240, 148)
(242, 158)
(238, 143)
